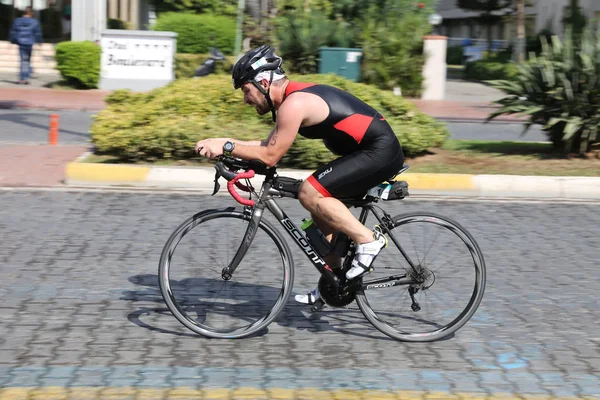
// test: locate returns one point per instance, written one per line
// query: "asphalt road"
(80, 308)
(31, 126)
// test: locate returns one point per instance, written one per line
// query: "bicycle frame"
(266, 200)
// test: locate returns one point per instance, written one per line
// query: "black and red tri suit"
(369, 149)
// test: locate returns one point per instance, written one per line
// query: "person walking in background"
(25, 32)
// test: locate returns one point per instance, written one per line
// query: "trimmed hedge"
(186, 64)
(79, 63)
(167, 122)
(194, 31)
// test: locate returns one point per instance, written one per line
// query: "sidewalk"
(16, 96)
(454, 111)
(36, 165)
(52, 99)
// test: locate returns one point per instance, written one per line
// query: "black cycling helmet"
(254, 62)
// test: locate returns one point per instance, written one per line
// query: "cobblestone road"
(81, 315)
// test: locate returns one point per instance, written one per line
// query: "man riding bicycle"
(368, 148)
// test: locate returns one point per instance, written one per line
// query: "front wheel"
(214, 304)
(445, 286)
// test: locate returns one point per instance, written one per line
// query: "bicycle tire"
(464, 316)
(181, 315)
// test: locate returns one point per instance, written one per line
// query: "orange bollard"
(53, 134)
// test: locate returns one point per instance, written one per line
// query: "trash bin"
(341, 61)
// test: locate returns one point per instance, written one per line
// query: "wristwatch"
(228, 148)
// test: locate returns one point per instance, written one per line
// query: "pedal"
(318, 306)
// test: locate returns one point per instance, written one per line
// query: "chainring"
(332, 297)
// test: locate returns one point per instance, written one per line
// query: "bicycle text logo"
(289, 225)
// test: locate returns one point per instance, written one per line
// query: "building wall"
(540, 14)
(89, 19)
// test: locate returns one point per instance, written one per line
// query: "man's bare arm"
(247, 142)
(290, 116)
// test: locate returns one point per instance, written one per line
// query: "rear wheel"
(448, 280)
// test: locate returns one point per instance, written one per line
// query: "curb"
(202, 178)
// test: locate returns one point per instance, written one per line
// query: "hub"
(225, 274)
(422, 277)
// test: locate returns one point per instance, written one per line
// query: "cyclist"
(368, 149)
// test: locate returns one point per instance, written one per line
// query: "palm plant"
(559, 89)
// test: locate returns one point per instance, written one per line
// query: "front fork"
(255, 215)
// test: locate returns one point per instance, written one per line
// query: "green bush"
(490, 69)
(389, 32)
(301, 34)
(195, 32)
(454, 55)
(219, 7)
(115, 23)
(393, 53)
(534, 43)
(186, 64)
(79, 63)
(559, 90)
(167, 122)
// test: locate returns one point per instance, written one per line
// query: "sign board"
(473, 53)
(136, 60)
(352, 56)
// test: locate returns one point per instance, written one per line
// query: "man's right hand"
(213, 147)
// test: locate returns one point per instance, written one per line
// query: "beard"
(263, 107)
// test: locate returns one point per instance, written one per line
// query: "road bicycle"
(238, 293)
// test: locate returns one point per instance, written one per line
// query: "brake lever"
(217, 184)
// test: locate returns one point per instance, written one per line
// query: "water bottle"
(315, 237)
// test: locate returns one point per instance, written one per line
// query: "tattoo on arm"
(272, 139)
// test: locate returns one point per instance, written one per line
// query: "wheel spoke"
(415, 248)
(437, 235)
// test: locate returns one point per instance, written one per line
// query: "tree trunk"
(489, 37)
(253, 7)
(264, 14)
(520, 45)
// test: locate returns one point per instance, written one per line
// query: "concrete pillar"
(113, 11)
(124, 11)
(89, 19)
(434, 70)
(134, 18)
